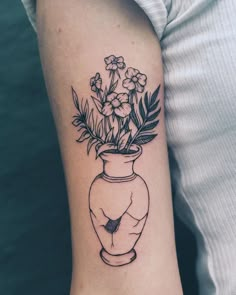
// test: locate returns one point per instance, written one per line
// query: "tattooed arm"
(103, 70)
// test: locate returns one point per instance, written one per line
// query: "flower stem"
(131, 97)
(99, 94)
(119, 129)
(112, 81)
(109, 123)
(105, 126)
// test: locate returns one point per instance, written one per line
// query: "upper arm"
(86, 31)
(74, 38)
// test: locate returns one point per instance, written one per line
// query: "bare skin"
(74, 38)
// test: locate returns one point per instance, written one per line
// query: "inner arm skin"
(74, 37)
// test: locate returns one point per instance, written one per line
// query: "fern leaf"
(154, 115)
(141, 109)
(150, 126)
(155, 95)
(143, 139)
(149, 116)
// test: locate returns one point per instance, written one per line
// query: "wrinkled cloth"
(198, 41)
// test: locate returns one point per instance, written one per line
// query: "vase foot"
(118, 260)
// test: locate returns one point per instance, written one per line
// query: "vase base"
(118, 260)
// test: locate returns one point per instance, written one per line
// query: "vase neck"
(118, 168)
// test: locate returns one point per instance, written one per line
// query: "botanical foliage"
(119, 119)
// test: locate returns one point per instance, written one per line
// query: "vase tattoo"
(117, 125)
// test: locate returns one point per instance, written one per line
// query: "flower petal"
(109, 59)
(107, 109)
(142, 79)
(94, 88)
(121, 65)
(114, 67)
(111, 96)
(123, 97)
(92, 80)
(109, 67)
(123, 110)
(99, 83)
(131, 72)
(97, 76)
(139, 88)
(120, 59)
(127, 83)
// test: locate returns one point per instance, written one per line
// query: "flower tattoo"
(117, 104)
(116, 121)
(96, 83)
(121, 115)
(114, 63)
(135, 80)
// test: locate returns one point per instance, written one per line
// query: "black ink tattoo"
(118, 126)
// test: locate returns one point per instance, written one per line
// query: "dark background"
(35, 249)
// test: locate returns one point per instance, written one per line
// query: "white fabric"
(30, 7)
(198, 40)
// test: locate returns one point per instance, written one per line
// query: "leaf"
(150, 126)
(91, 120)
(143, 139)
(81, 126)
(123, 132)
(114, 124)
(80, 131)
(155, 95)
(82, 105)
(104, 94)
(135, 118)
(86, 108)
(141, 109)
(85, 135)
(97, 103)
(105, 147)
(76, 122)
(154, 106)
(75, 99)
(109, 136)
(91, 142)
(149, 116)
(154, 115)
(125, 124)
(123, 141)
(118, 73)
(146, 100)
(100, 128)
(113, 86)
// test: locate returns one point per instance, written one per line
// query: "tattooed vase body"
(119, 204)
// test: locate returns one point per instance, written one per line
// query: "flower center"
(114, 61)
(135, 79)
(115, 103)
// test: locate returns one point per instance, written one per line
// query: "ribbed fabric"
(198, 40)
(199, 57)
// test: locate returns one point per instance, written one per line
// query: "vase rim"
(137, 151)
(118, 179)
